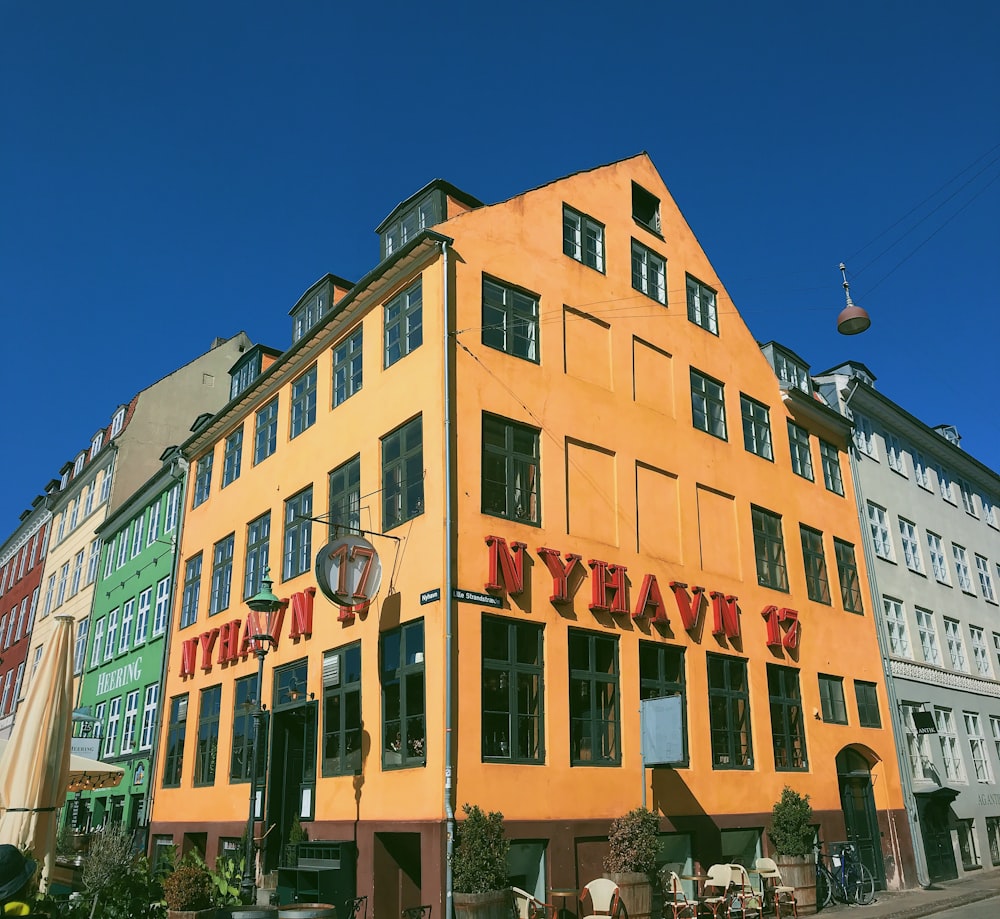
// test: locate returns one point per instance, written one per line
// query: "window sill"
(649, 229)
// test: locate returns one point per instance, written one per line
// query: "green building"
(126, 649)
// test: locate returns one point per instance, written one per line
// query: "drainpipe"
(895, 716)
(448, 585)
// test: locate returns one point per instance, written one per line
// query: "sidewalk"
(911, 904)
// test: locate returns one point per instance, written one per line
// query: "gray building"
(932, 543)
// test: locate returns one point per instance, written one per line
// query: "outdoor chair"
(719, 879)
(416, 912)
(774, 890)
(528, 906)
(744, 901)
(675, 901)
(603, 895)
(359, 908)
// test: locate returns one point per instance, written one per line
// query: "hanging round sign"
(348, 571)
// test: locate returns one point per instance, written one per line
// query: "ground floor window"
(526, 866)
(967, 844)
(993, 832)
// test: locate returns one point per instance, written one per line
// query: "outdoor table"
(699, 880)
(564, 894)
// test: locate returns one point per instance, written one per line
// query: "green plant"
(296, 833)
(479, 862)
(634, 842)
(791, 831)
(226, 876)
(188, 887)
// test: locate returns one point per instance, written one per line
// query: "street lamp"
(852, 319)
(263, 607)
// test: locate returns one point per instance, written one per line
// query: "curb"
(928, 908)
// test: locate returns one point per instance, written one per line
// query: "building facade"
(119, 458)
(587, 489)
(933, 535)
(123, 661)
(22, 561)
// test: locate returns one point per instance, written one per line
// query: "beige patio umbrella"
(34, 766)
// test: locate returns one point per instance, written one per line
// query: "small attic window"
(308, 314)
(118, 422)
(78, 465)
(645, 208)
(96, 443)
(423, 213)
(245, 372)
(791, 372)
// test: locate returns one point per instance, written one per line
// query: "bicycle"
(849, 882)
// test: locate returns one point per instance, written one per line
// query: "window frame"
(649, 273)
(895, 620)
(930, 648)
(515, 465)
(302, 395)
(847, 575)
(265, 431)
(173, 753)
(296, 558)
(772, 572)
(222, 574)
(788, 736)
(878, 526)
(703, 388)
(800, 451)
(756, 422)
(257, 554)
(866, 697)
(412, 751)
(575, 238)
(604, 732)
(833, 703)
(232, 457)
(344, 697)
(402, 496)
(203, 479)
(402, 323)
(665, 659)
(348, 366)
(731, 736)
(705, 317)
(909, 537)
(506, 308)
(814, 561)
(192, 591)
(344, 493)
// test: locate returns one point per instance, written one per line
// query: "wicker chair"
(774, 890)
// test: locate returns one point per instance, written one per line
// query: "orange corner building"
(588, 487)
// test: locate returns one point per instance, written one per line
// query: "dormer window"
(645, 208)
(64, 479)
(308, 314)
(791, 372)
(118, 422)
(244, 373)
(78, 465)
(96, 443)
(423, 213)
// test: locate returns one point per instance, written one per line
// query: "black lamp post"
(263, 606)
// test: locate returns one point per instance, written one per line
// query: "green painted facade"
(126, 649)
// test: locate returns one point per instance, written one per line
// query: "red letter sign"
(689, 607)
(559, 571)
(509, 562)
(650, 598)
(604, 578)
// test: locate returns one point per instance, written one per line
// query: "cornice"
(946, 679)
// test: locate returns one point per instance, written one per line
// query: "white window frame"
(911, 545)
(118, 422)
(985, 579)
(649, 272)
(111, 639)
(114, 716)
(128, 725)
(93, 560)
(927, 631)
(879, 527)
(939, 561)
(980, 653)
(954, 767)
(864, 436)
(968, 498)
(142, 616)
(128, 616)
(137, 534)
(945, 485)
(961, 559)
(956, 646)
(97, 648)
(153, 529)
(917, 745)
(162, 609)
(894, 454)
(895, 619)
(577, 229)
(149, 704)
(74, 584)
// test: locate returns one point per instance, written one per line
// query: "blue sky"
(174, 172)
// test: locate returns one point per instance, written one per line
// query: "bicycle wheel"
(860, 885)
(824, 889)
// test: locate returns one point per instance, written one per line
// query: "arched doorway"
(858, 804)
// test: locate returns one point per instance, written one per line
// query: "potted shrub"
(633, 842)
(188, 891)
(792, 836)
(479, 866)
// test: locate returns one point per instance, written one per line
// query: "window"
(404, 323)
(899, 642)
(93, 560)
(266, 431)
(347, 367)
(817, 582)
(928, 636)
(208, 735)
(701, 305)
(798, 445)
(96, 443)
(977, 742)
(661, 674)
(510, 320)
(402, 474)
(222, 574)
(192, 591)
(939, 564)
(174, 756)
(831, 697)
(513, 724)
(298, 534)
(423, 213)
(79, 649)
(50, 595)
(956, 647)
(241, 751)
(258, 541)
(729, 712)
(594, 726)
(345, 497)
(989, 512)
(830, 459)
(162, 606)
(911, 545)
(787, 731)
(106, 482)
(583, 238)
(917, 745)
(985, 580)
(756, 427)
(307, 315)
(203, 479)
(128, 726)
(920, 470)
(74, 585)
(993, 833)
(74, 515)
(961, 559)
(954, 768)
(137, 534)
(97, 648)
(128, 617)
(980, 654)
(88, 501)
(232, 457)
(894, 453)
(769, 549)
(880, 532)
(708, 407)
(63, 580)
(864, 436)
(173, 501)
(403, 704)
(118, 422)
(645, 208)
(112, 637)
(649, 273)
(510, 470)
(944, 484)
(867, 698)
(111, 735)
(968, 498)
(342, 724)
(304, 401)
(142, 615)
(122, 538)
(78, 465)
(244, 372)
